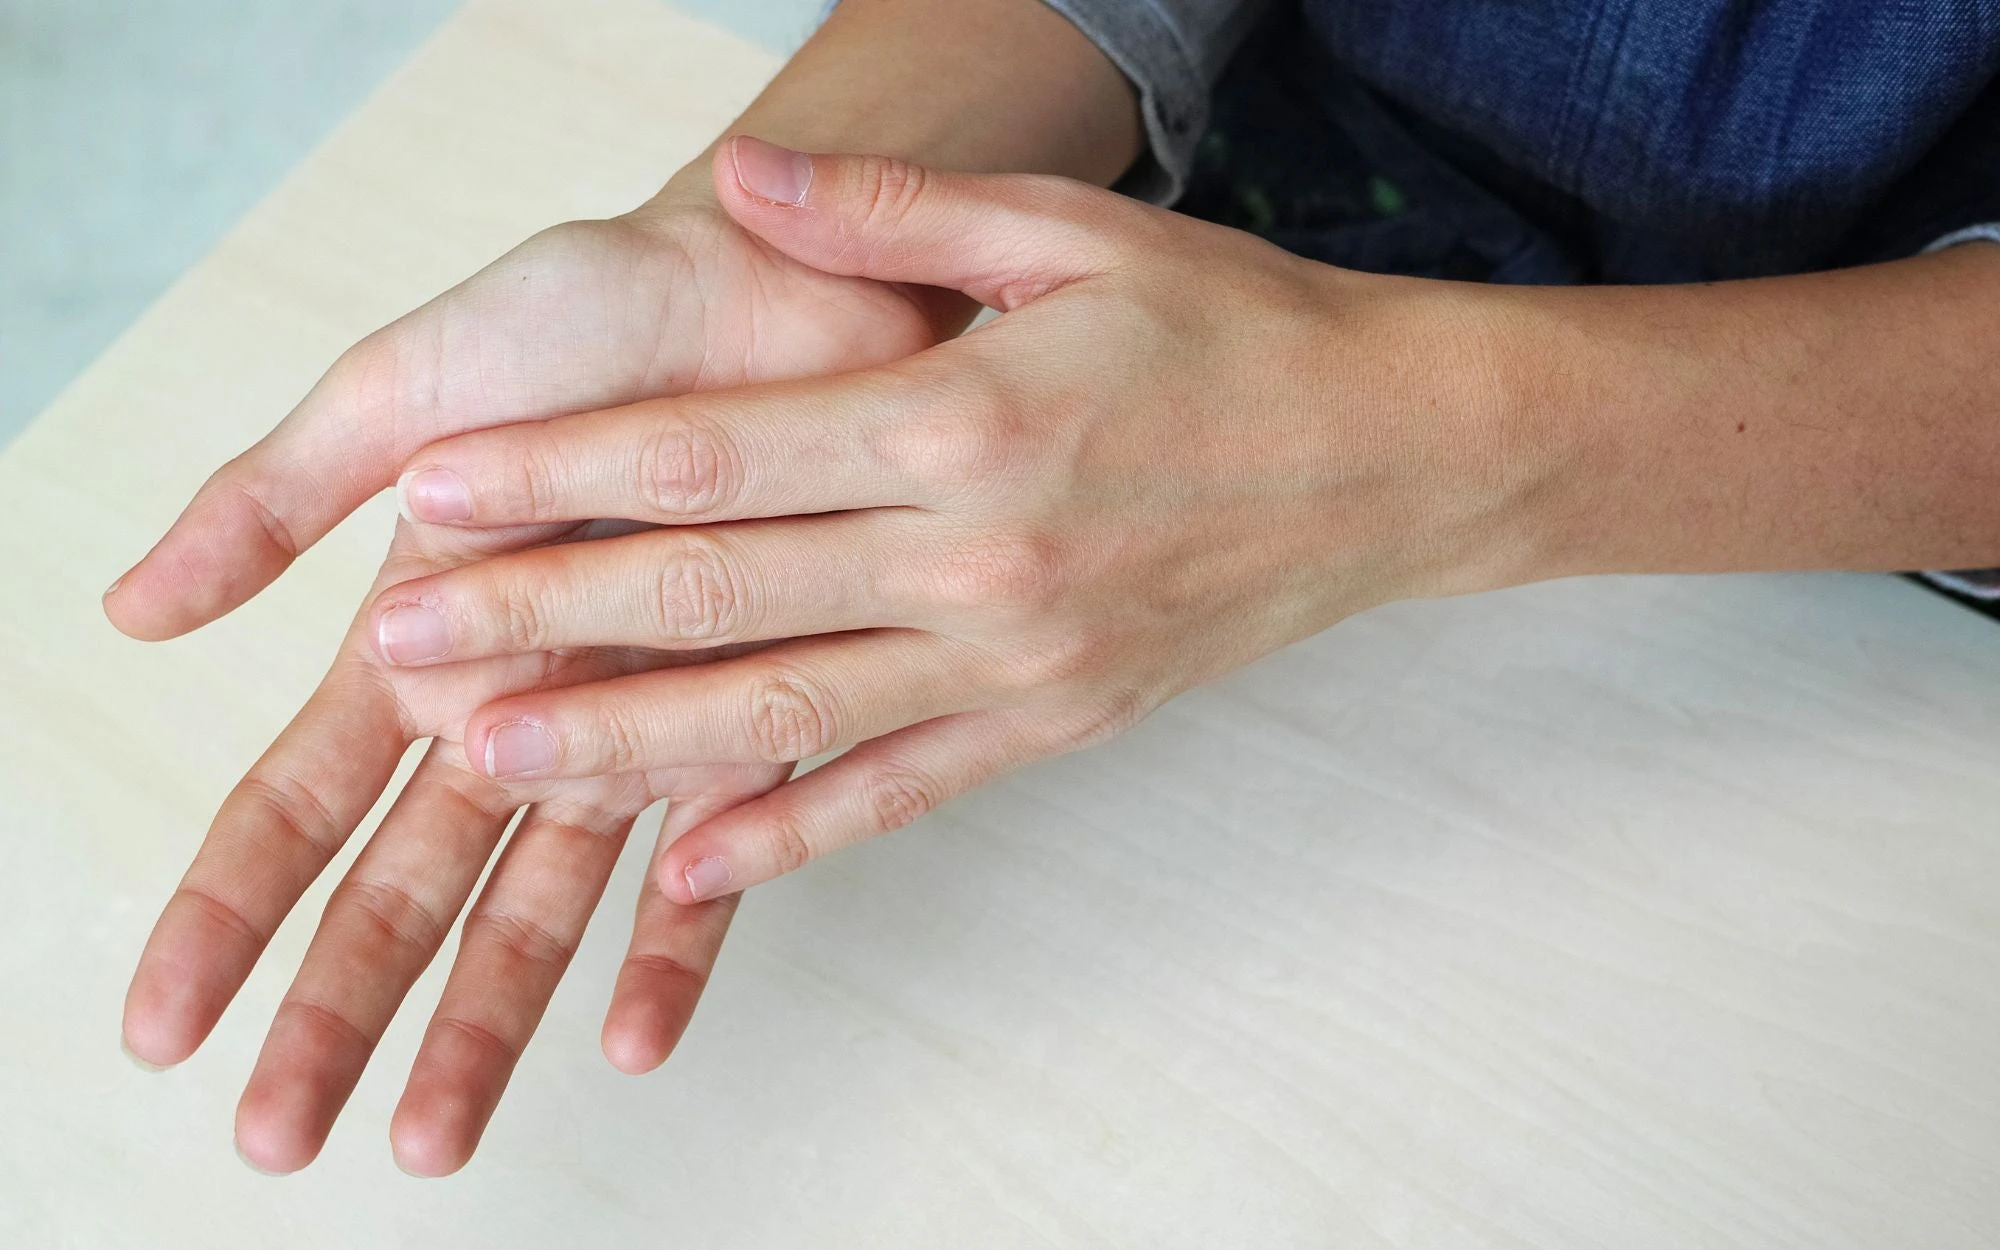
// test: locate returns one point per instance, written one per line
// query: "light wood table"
(1624, 913)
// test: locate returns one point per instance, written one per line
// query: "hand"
(673, 297)
(1178, 450)
(391, 912)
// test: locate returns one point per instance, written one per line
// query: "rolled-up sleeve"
(1172, 51)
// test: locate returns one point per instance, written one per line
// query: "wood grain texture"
(1625, 913)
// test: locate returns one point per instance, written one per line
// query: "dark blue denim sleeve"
(1951, 195)
(1172, 51)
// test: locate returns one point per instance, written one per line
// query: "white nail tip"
(403, 500)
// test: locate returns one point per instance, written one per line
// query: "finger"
(877, 787)
(517, 942)
(673, 947)
(255, 514)
(666, 588)
(776, 450)
(1002, 239)
(382, 925)
(271, 838)
(787, 702)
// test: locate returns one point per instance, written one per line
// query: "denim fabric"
(1608, 140)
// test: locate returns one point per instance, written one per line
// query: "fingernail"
(707, 876)
(112, 589)
(433, 495)
(411, 633)
(518, 748)
(767, 170)
(142, 1064)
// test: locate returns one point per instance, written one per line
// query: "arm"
(980, 85)
(1847, 419)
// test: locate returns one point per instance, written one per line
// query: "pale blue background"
(132, 135)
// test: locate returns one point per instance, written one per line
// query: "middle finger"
(669, 588)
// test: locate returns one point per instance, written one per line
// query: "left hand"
(1178, 450)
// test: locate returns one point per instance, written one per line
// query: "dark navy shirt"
(1635, 140)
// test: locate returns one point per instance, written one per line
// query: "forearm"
(980, 85)
(1848, 420)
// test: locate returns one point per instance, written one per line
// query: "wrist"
(1491, 433)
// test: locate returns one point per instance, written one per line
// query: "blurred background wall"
(132, 135)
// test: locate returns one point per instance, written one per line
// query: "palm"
(581, 316)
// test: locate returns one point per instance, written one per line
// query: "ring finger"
(780, 704)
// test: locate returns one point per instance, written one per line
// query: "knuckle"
(294, 808)
(686, 469)
(392, 910)
(897, 796)
(620, 739)
(526, 941)
(790, 849)
(887, 189)
(480, 1036)
(1110, 715)
(370, 373)
(1022, 572)
(964, 444)
(789, 719)
(518, 615)
(697, 598)
(1067, 660)
(537, 479)
(326, 1020)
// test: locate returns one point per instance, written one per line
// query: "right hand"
(671, 298)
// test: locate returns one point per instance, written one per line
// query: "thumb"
(1004, 239)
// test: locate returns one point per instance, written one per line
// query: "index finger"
(877, 438)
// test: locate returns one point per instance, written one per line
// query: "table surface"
(1623, 912)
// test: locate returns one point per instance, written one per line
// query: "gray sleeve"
(1173, 51)
(1981, 584)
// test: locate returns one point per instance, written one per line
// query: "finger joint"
(789, 720)
(697, 599)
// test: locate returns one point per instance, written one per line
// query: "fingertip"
(213, 559)
(152, 1034)
(137, 608)
(671, 877)
(251, 1161)
(143, 1064)
(627, 1048)
(424, 1149)
(264, 1145)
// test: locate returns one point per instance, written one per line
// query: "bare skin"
(671, 298)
